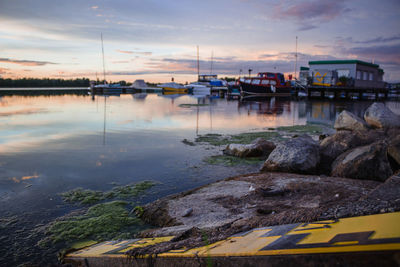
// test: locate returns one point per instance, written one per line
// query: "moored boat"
(265, 84)
(142, 85)
(199, 89)
(173, 87)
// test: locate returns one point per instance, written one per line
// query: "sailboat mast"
(295, 65)
(198, 64)
(102, 51)
(212, 55)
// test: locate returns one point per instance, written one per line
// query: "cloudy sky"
(156, 39)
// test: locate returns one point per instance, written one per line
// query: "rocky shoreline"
(352, 172)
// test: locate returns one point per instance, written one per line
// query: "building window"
(365, 76)
(343, 72)
(264, 81)
(371, 76)
(358, 75)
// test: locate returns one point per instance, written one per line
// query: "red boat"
(265, 84)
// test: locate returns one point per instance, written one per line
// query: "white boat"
(142, 85)
(199, 89)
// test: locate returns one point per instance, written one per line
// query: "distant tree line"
(44, 82)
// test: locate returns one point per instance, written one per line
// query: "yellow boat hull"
(175, 90)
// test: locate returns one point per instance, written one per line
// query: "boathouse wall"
(362, 74)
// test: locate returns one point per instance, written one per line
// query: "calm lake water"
(52, 144)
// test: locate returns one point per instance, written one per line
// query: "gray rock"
(187, 212)
(298, 155)
(379, 116)
(394, 149)
(260, 147)
(348, 121)
(364, 162)
(271, 192)
(334, 145)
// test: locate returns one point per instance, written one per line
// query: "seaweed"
(212, 139)
(86, 196)
(248, 138)
(129, 191)
(83, 196)
(243, 138)
(308, 128)
(232, 161)
(188, 142)
(105, 221)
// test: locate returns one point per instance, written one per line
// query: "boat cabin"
(266, 79)
(207, 77)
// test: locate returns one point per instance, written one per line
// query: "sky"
(156, 40)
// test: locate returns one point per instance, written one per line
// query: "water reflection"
(266, 105)
(62, 142)
(28, 123)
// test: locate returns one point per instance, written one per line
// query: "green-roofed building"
(359, 73)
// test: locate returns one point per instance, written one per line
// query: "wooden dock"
(347, 92)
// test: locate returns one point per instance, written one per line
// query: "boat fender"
(273, 89)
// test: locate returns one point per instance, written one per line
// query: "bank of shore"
(300, 181)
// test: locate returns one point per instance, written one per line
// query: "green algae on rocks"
(86, 196)
(130, 190)
(79, 195)
(248, 138)
(105, 221)
(188, 142)
(231, 161)
(308, 128)
(243, 138)
(212, 139)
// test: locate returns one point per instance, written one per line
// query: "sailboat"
(114, 89)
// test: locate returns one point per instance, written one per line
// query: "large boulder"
(298, 155)
(334, 145)
(394, 150)
(364, 162)
(379, 116)
(348, 121)
(260, 147)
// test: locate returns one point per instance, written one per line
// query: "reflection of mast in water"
(104, 125)
(202, 101)
(210, 117)
(197, 120)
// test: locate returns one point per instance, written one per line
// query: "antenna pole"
(102, 51)
(295, 65)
